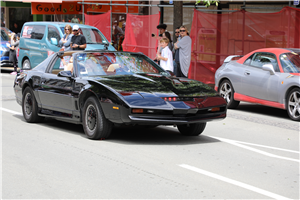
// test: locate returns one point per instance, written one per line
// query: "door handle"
(247, 73)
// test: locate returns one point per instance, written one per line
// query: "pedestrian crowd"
(174, 56)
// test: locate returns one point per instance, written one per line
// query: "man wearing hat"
(78, 41)
(162, 28)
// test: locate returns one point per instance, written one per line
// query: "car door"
(257, 82)
(56, 92)
(34, 44)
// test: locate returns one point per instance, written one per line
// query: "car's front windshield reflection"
(290, 62)
(119, 63)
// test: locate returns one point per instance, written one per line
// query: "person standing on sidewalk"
(66, 39)
(176, 51)
(162, 28)
(12, 52)
(166, 58)
(78, 41)
(185, 50)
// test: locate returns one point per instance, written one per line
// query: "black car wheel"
(26, 64)
(227, 92)
(95, 125)
(29, 106)
(293, 104)
(191, 129)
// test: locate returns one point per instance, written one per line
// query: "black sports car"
(100, 89)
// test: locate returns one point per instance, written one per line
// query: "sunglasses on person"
(182, 30)
(66, 29)
(75, 30)
(177, 32)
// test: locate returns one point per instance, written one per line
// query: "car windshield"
(4, 36)
(290, 62)
(118, 63)
(92, 35)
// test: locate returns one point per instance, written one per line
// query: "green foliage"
(208, 2)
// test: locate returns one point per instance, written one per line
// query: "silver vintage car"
(269, 76)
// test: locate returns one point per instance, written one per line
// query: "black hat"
(163, 26)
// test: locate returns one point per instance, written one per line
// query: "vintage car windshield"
(118, 63)
(92, 35)
(290, 62)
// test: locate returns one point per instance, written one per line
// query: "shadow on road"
(262, 110)
(161, 135)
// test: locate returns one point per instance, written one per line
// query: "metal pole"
(111, 25)
(83, 12)
(148, 5)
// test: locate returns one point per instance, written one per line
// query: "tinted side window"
(34, 31)
(38, 32)
(4, 36)
(248, 61)
(92, 36)
(261, 59)
(53, 33)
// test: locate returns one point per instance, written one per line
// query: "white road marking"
(236, 143)
(237, 183)
(10, 111)
(264, 146)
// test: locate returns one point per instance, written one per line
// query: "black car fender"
(111, 102)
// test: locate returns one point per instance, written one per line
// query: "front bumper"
(177, 119)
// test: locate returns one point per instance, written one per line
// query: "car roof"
(61, 24)
(276, 51)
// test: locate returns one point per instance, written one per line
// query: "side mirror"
(269, 67)
(67, 74)
(54, 41)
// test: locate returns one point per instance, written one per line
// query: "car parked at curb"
(4, 50)
(268, 76)
(41, 39)
(102, 89)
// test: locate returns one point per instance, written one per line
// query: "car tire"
(227, 92)
(293, 104)
(191, 129)
(95, 125)
(29, 106)
(26, 64)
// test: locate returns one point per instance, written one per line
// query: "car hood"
(155, 85)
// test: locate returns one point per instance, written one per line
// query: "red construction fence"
(138, 34)
(100, 21)
(214, 36)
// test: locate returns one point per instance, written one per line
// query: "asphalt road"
(252, 154)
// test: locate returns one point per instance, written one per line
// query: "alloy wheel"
(91, 117)
(28, 104)
(226, 92)
(294, 104)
